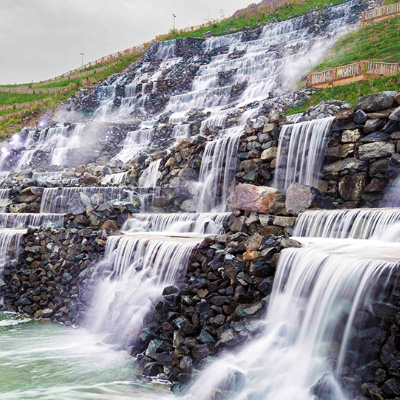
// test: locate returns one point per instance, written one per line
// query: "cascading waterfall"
(139, 268)
(150, 175)
(217, 171)
(135, 143)
(309, 329)
(359, 223)
(301, 152)
(4, 194)
(65, 144)
(25, 220)
(204, 223)
(58, 200)
(9, 246)
(114, 179)
(53, 177)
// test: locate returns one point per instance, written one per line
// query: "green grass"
(14, 98)
(379, 42)
(350, 93)
(252, 21)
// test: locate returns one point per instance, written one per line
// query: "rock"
(373, 125)
(360, 117)
(47, 313)
(376, 101)
(378, 168)
(250, 255)
(325, 388)
(237, 224)
(385, 310)
(90, 179)
(254, 242)
(269, 154)
(110, 224)
(300, 198)
(375, 150)
(392, 387)
(351, 186)
(188, 206)
(351, 136)
(376, 137)
(347, 164)
(253, 198)
(284, 221)
(395, 115)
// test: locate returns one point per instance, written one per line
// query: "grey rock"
(395, 115)
(376, 101)
(375, 150)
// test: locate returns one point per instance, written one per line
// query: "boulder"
(269, 154)
(373, 125)
(351, 136)
(253, 198)
(351, 186)
(347, 164)
(395, 115)
(376, 101)
(89, 179)
(375, 150)
(360, 117)
(300, 198)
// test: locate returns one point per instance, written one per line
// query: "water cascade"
(301, 152)
(4, 193)
(359, 223)
(134, 143)
(59, 200)
(139, 268)
(25, 220)
(150, 175)
(204, 223)
(9, 245)
(309, 328)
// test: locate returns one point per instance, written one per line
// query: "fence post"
(334, 74)
(363, 69)
(309, 80)
(363, 19)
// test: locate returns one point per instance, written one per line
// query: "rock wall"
(50, 278)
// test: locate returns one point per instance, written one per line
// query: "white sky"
(40, 39)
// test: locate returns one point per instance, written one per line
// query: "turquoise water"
(51, 362)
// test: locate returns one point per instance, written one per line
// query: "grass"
(284, 12)
(350, 93)
(379, 42)
(14, 98)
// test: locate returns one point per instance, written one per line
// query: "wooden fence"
(380, 13)
(27, 90)
(19, 106)
(350, 73)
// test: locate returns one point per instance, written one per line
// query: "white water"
(135, 143)
(57, 200)
(359, 223)
(9, 246)
(150, 175)
(25, 220)
(205, 223)
(4, 193)
(301, 152)
(140, 268)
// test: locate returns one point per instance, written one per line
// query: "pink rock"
(253, 198)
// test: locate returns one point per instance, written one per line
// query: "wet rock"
(300, 198)
(373, 125)
(253, 198)
(351, 136)
(395, 115)
(385, 310)
(392, 387)
(90, 179)
(351, 186)
(375, 150)
(360, 117)
(376, 101)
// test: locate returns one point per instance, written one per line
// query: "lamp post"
(82, 54)
(173, 21)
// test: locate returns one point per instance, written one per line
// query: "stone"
(325, 388)
(300, 198)
(90, 179)
(250, 255)
(351, 186)
(376, 101)
(269, 154)
(47, 312)
(376, 185)
(378, 168)
(392, 387)
(188, 206)
(205, 337)
(375, 150)
(254, 242)
(351, 136)
(373, 125)
(347, 164)
(253, 198)
(376, 137)
(360, 117)
(284, 221)
(395, 115)
(110, 224)
(268, 128)
(397, 98)
(237, 224)
(346, 149)
(385, 310)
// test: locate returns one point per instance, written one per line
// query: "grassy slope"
(236, 24)
(379, 42)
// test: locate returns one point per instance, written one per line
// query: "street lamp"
(173, 22)
(82, 54)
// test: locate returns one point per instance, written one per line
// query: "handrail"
(351, 70)
(381, 12)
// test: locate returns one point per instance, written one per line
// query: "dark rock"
(375, 102)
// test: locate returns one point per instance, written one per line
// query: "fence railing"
(27, 90)
(19, 106)
(380, 12)
(359, 69)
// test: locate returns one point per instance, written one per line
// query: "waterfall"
(309, 329)
(53, 177)
(182, 130)
(217, 171)
(25, 220)
(139, 269)
(165, 50)
(59, 200)
(205, 223)
(301, 152)
(150, 175)
(65, 144)
(135, 143)
(9, 246)
(114, 179)
(361, 223)
(4, 193)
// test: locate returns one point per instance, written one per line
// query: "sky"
(40, 39)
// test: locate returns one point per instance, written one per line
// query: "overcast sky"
(40, 39)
